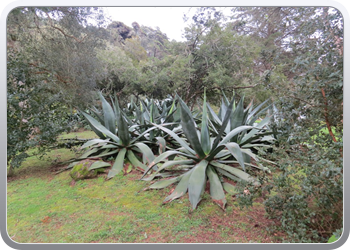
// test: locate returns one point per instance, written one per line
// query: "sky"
(168, 19)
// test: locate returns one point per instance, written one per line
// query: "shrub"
(307, 193)
(33, 119)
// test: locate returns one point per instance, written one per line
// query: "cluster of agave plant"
(173, 145)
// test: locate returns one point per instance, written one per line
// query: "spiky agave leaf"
(241, 175)
(146, 152)
(99, 164)
(190, 130)
(256, 129)
(180, 189)
(213, 116)
(196, 183)
(108, 114)
(253, 115)
(236, 151)
(99, 128)
(237, 117)
(221, 145)
(229, 188)
(135, 162)
(205, 137)
(123, 129)
(223, 125)
(98, 114)
(161, 144)
(93, 142)
(164, 183)
(158, 113)
(118, 164)
(163, 157)
(170, 164)
(179, 140)
(216, 188)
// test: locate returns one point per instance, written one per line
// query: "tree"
(120, 75)
(129, 59)
(308, 93)
(214, 56)
(33, 119)
(50, 70)
(302, 47)
(273, 28)
(59, 41)
(219, 57)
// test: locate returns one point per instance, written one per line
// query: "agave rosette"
(203, 158)
(259, 136)
(115, 141)
(163, 113)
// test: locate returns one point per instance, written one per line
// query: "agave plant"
(160, 113)
(258, 137)
(203, 158)
(115, 140)
(239, 116)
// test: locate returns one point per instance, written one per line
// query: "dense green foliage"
(50, 70)
(58, 62)
(308, 93)
(31, 119)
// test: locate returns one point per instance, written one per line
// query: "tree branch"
(45, 71)
(59, 29)
(294, 97)
(327, 121)
(76, 39)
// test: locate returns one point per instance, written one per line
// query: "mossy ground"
(81, 171)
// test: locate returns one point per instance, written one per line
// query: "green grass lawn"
(43, 207)
(87, 134)
(47, 209)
